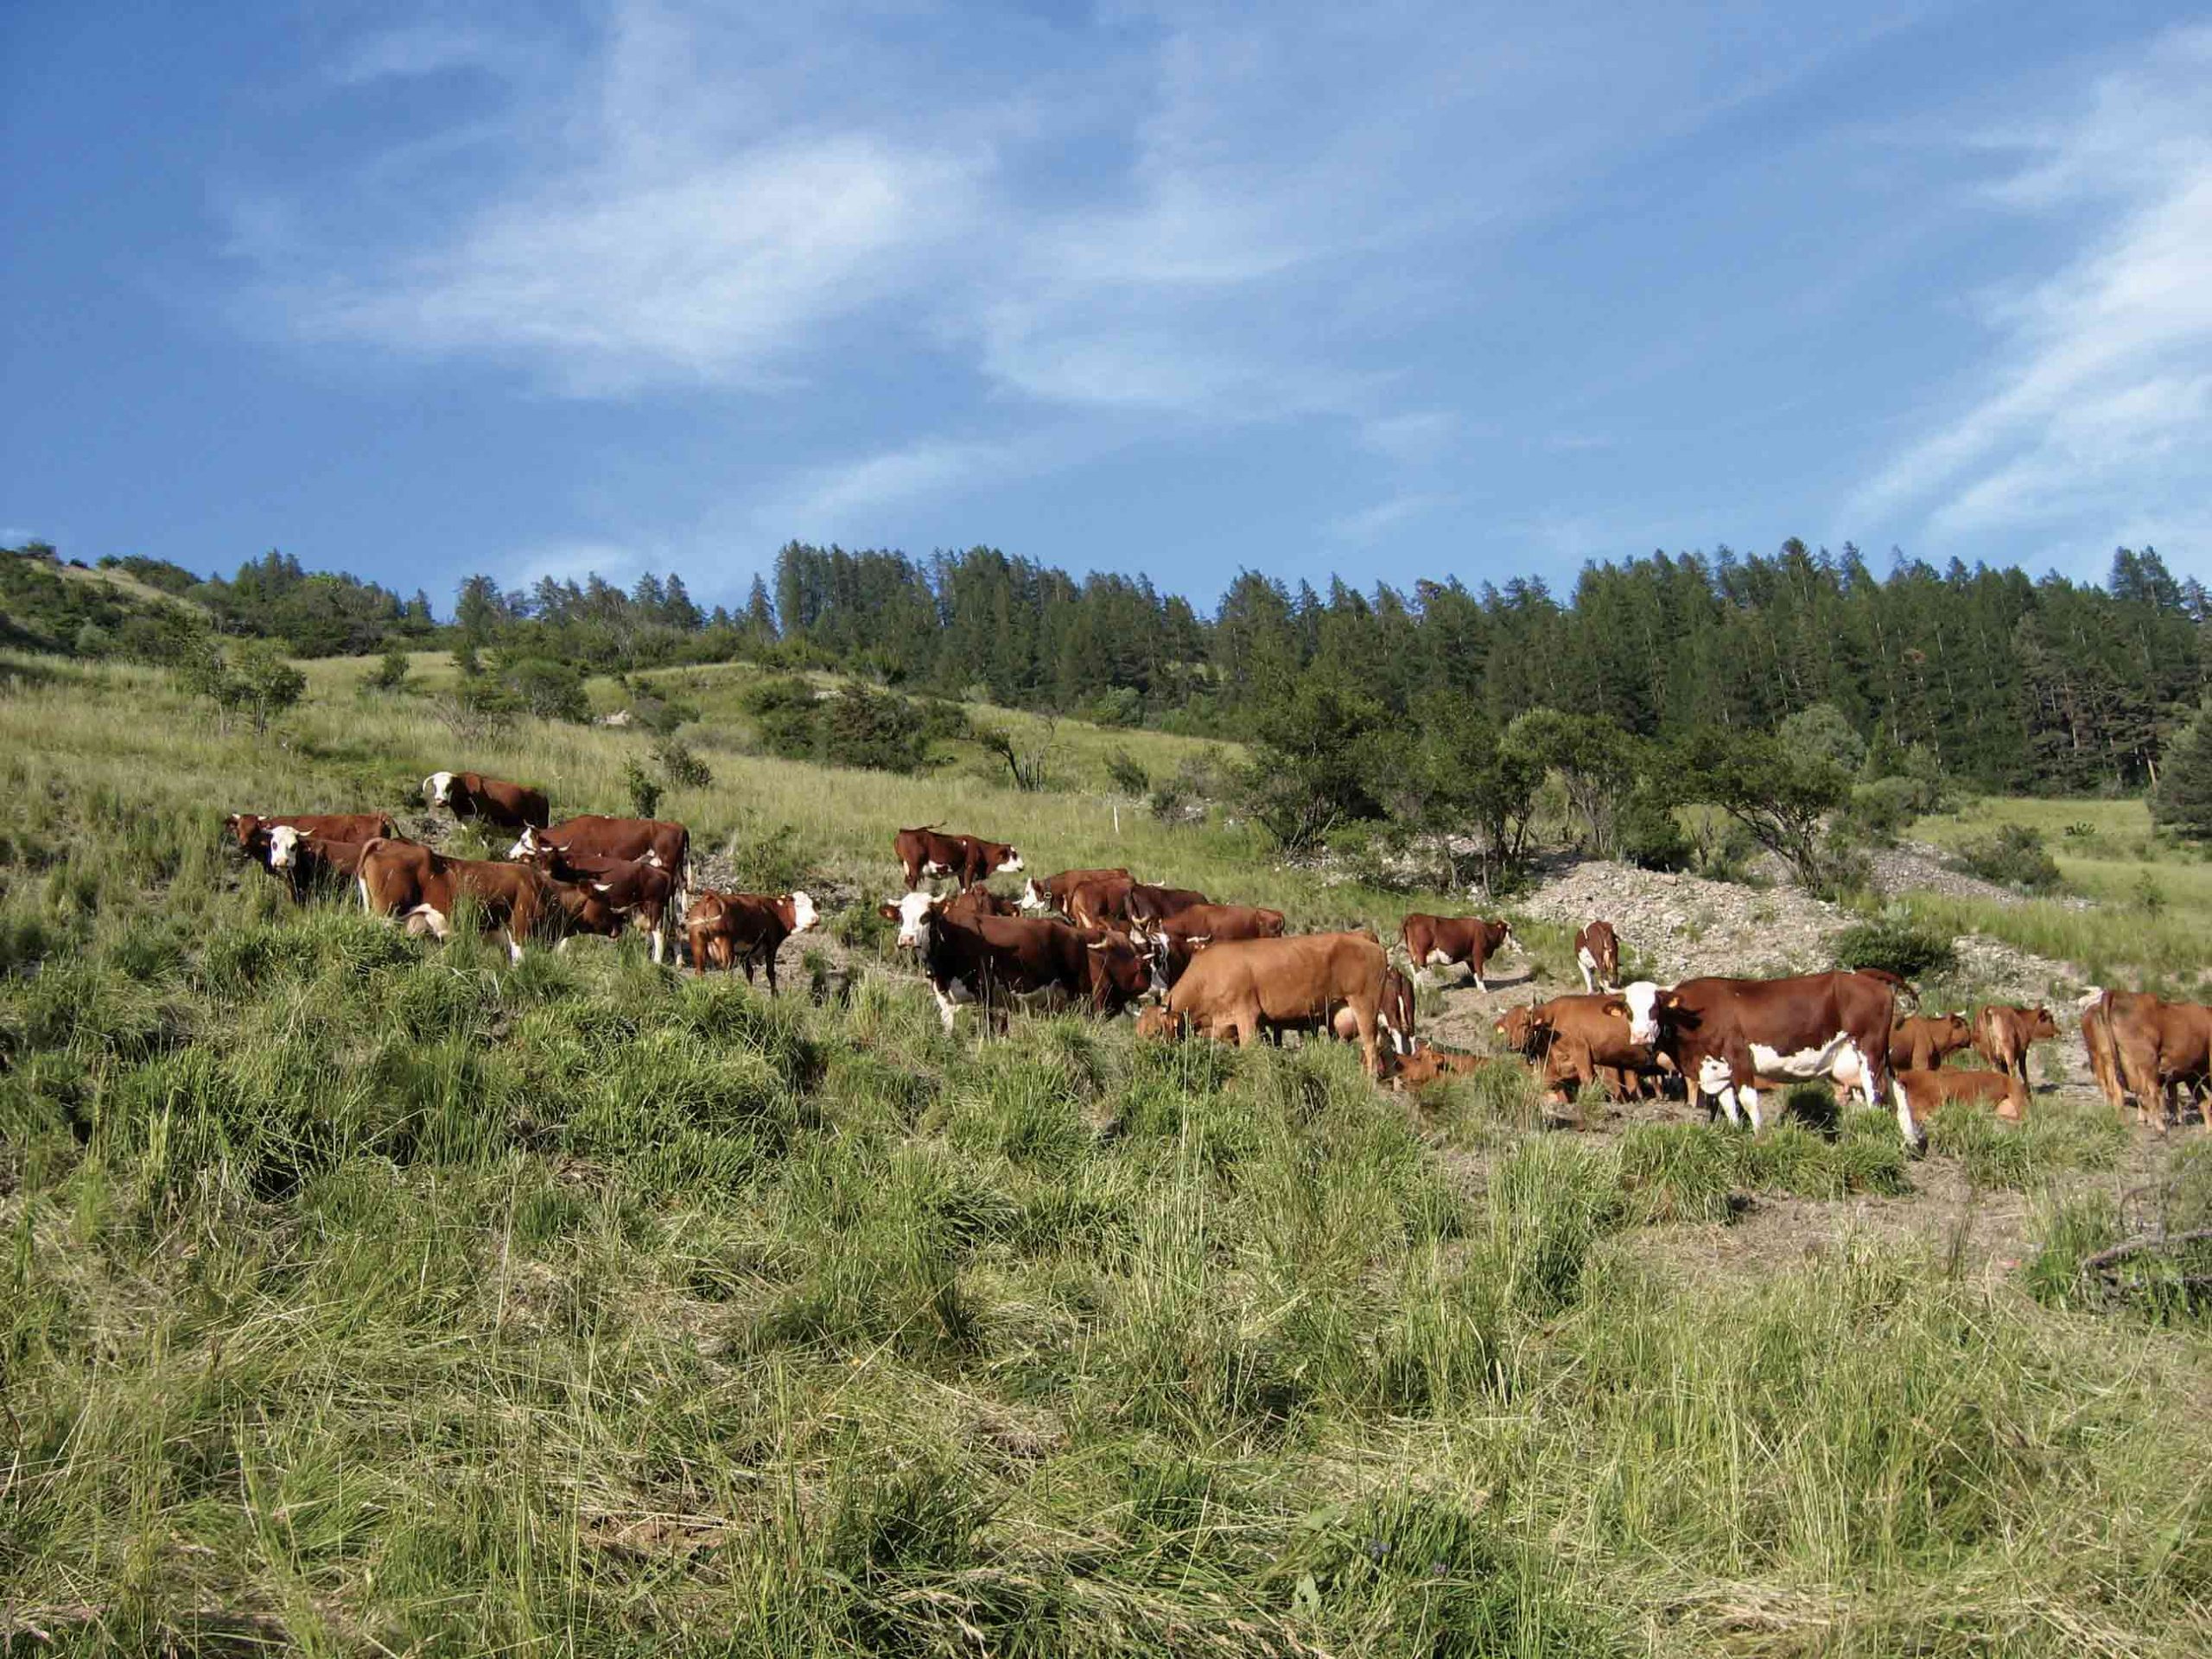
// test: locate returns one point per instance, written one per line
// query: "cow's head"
(914, 913)
(437, 788)
(283, 847)
(801, 910)
(527, 845)
(1034, 898)
(1118, 967)
(1520, 1027)
(1511, 940)
(1157, 1023)
(2041, 1028)
(1007, 860)
(1646, 1006)
(244, 826)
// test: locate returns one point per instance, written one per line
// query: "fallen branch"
(2137, 1246)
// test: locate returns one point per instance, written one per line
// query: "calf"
(1928, 1091)
(1724, 1034)
(471, 795)
(1244, 988)
(1597, 954)
(1087, 897)
(1579, 1039)
(728, 928)
(592, 835)
(398, 878)
(2160, 1046)
(968, 859)
(2003, 1035)
(1923, 1042)
(1439, 941)
(1429, 1064)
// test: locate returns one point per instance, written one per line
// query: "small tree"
(392, 669)
(264, 682)
(1819, 732)
(1778, 795)
(643, 787)
(1313, 764)
(1597, 763)
(1029, 762)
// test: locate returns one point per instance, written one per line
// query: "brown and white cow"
(1146, 902)
(592, 835)
(968, 859)
(251, 830)
(1928, 1091)
(2161, 1046)
(1439, 941)
(1174, 940)
(1241, 988)
(726, 929)
(1087, 897)
(640, 891)
(995, 961)
(418, 884)
(471, 795)
(2004, 1033)
(1724, 1034)
(307, 861)
(1429, 1064)
(1922, 1042)
(1597, 954)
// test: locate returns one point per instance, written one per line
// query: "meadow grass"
(362, 1295)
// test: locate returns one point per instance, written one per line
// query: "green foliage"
(1647, 834)
(1599, 765)
(644, 789)
(1119, 705)
(2013, 855)
(391, 670)
(682, 766)
(543, 687)
(853, 727)
(1781, 796)
(2183, 801)
(1313, 760)
(1127, 775)
(1029, 757)
(1820, 734)
(1896, 944)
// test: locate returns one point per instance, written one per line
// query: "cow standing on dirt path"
(1439, 941)
(2003, 1035)
(1597, 954)
(726, 929)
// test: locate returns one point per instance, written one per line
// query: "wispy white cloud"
(859, 500)
(1371, 523)
(429, 47)
(2098, 405)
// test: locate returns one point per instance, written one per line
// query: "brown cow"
(991, 960)
(494, 800)
(1439, 941)
(968, 859)
(1597, 954)
(398, 878)
(729, 928)
(639, 890)
(251, 829)
(1145, 904)
(1087, 897)
(2160, 1046)
(982, 901)
(307, 861)
(1579, 1039)
(1922, 1042)
(591, 835)
(1928, 1091)
(1243, 987)
(2003, 1035)
(1429, 1064)
(1173, 940)
(2103, 1052)
(1724, 1034)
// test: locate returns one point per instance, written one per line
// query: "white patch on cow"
(1439, 959)
(804, 914)
(914, 912)
(1012, 864)
(1588, 963)
(423, 918)
(1032, 897)
(1713, 1075)
(438, 786)
(526, 846)
(283, 847)
(362, 882)
(1913, 1136)
(514, 948)
(1750, 1097)
(1821, 1062)
(930, 866)
(1643, 999)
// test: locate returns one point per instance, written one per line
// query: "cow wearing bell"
(970, 859)
(1440, 941)
(725, 929)
(1724, 1034)
(1597, 954)
(470, 795)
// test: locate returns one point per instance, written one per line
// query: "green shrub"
(1650, 837)
(2013, 855)
(682, 766)
(1898, 944)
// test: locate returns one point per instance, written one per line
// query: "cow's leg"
(944, 1006)
(1476, 963)
(1582, 960)
(768, 966)
(1750, 1099)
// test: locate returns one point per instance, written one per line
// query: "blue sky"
(1391, 290)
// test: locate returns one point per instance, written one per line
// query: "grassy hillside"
(367, 1297)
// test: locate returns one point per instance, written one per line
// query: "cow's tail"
(1902, 987)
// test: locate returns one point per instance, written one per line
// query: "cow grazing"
(1922, 1042)
(1396, 1011)
(1242, 988)
(1145, 903)
(640, 891)
(993, 961)
(2003, 1035)
(727, 929)
(970, 859)
(1087, 897)
(1929, 1091)
(591, 837)
(1597, 954)
(1174, 940)
(2160, 1046)
(1724, 1034)
(1579, 1039)
(419, 885)
(471, 795)
(1439, 941)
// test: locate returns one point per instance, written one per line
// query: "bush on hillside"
(682, 767)
(1896, 943)
(2013, 855)
(856, 727)
(1650, 836)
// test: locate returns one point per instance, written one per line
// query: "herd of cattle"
(1103, 939)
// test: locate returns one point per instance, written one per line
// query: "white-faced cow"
(251, 830)
(1724, 1034)
(1597, 954)
(470, 795)
(306, 861)
(968, 859)
(994, 961)
(591, 835)
(727, 929)
(1439, 941)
